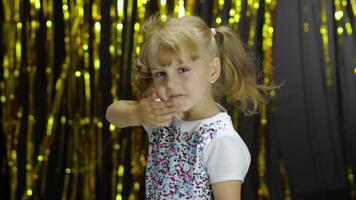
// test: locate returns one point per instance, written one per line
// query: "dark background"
(311, 128)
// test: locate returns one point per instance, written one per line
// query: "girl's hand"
(154, 112)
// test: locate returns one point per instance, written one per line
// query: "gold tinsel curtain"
(64, 61)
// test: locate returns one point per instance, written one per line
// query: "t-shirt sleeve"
(227, 158)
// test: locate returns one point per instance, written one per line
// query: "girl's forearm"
(123, 114)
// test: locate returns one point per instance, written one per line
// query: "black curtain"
(311, 130)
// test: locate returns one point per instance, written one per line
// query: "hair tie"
(213, 31)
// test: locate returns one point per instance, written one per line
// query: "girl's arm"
(227, 190)
(147, 111)
(123, 114)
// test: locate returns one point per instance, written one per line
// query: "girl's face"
(185, 84)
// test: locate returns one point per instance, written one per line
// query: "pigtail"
(141, 75)
(142, 79)
(238, 77)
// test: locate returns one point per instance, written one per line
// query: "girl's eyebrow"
(180, 64)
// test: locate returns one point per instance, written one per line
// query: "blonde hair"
(190, 36)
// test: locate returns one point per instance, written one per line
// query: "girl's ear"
(215, 70)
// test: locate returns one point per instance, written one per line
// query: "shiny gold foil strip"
(179, 9)
(235, 14)
(189, 7)
(163, 9)
(116, 53)
(12, 110)
(115, 50)
(31, 28)
(138, 135)
(267, 36)
(325, 38)
(342, 25)
(287, 189)
(353, 7)
(251, 13)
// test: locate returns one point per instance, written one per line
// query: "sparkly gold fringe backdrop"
(60, 85)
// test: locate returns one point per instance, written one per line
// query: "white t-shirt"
(227, 158)
(185, 157)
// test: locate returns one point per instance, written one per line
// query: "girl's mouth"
(175, 96)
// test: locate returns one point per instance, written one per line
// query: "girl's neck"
(202, 112)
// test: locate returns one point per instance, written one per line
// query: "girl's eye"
(184, 69)
(159, 74)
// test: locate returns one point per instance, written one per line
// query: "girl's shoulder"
(219, 122)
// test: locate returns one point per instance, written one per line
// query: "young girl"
(184, 67)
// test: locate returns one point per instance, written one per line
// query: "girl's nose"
(172, 82)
